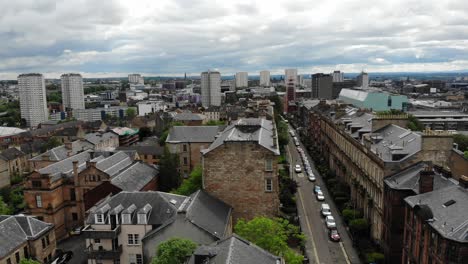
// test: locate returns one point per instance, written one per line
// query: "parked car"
(334, 235)
(76, 231)
(320, 196)
(325, 210)
(330, 221)
(311, 177)
(297, 169)
(317, 188)
(62, 257)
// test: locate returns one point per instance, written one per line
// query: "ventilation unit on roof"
(172, 201)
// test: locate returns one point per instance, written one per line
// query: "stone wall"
(235, 173)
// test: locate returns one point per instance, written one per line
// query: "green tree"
(462, 141)
(130, 112)
(192, 184)
(271, 235)
(50, 144)
(4, 209)
(54, 97)
(174, 250)
(414, 124)
(358, 226)
(169, 171)
(29, 261)
(465, 154)
(283, 136)
(145, 132)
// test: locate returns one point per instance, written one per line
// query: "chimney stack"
(426, 179)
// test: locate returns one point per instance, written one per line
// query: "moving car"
(320, 196)
(317, 188)
(297, 169)
(325, 210)
(334, 235)
(330, 222)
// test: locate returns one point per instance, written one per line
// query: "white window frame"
(268, 185)
(132, 258)
(39, 201)
(133, 239)
(268, 164)
(99, 218)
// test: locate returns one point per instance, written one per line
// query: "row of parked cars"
(307, 168)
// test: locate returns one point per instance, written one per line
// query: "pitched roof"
(65, 167)
(11, 154)
(62, 152)
(192, 134)
(449, 210)
(135, 176)
(9, 131)
(96, 138)
(256, 130)
(186, 116)
(395, 140)
(234, 249)
(17, 229)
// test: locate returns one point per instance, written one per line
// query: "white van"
(325, 210)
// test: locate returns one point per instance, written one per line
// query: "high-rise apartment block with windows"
(242, 79)
(33, 100)
(135, 79)
(264, 78)
(322, 86)
(211, 88)
(363, 80)
(72, 91)
(338, 76)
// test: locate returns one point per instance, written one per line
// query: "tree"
(283, 136)
(145, 132)
(169, 171)
(192, 184)
(358, 226)
(271, 235)
(4, 210)
(54, 97)
(462, 141)
(174, 250)
(130, 112)
(414, 124)
(29, 261)
(50, 144)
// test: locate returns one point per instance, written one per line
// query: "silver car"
(330, 221)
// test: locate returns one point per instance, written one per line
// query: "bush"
(16, 179)
(350, 214)
(332, 182)
(358, 226)
(375, 257)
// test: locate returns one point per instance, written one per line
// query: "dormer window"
(99, 218)
(142, 219)
(126, 219)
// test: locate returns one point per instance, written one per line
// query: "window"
(99, 219)
(132, 258)
(26, 252)
(47, 240)
(116, 261)
(185, 147)
(97, 240)
(36, 184)
(139, 259)
(185, 161)
(8, 261)
(72, 194)
(17, 257)
(74, 216)
(268, 164)
(133, 239)
(268, 185)
(43, 243)
(38, 201)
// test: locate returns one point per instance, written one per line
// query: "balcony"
(104, 254)
(89, 232)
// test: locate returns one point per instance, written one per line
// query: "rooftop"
(11, 154)
(10, 131)
(394, 143)
(192, 134)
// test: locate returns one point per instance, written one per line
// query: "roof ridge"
(16, 221)
(231, 244)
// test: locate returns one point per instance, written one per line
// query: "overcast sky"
(170, 37)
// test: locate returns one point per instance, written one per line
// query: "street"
(320, 249)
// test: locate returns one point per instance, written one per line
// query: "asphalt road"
(320, 249)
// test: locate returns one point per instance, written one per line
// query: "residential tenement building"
(33, 100)
(240, 168)
(242, 80)
(13, 163)
(129, 226)
(210, 88)
(56, 193)
(265, 78)
(188, 141)
(72, 91)
(436, 225)
(338, 76)
(25, 237)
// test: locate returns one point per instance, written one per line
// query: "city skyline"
(386, 36)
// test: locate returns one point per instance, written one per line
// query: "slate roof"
(156, 150)
(61, 152)
(17, 229)
(65, 167)
(9, 131)
(256, 130)
(11, 154)
(96, 138)
(236, 250)
(408, 179)
(192, 134)
(395, 140)
(450, 221)
(135, 177)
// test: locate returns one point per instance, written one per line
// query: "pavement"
(76, 244)
(319, 248)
